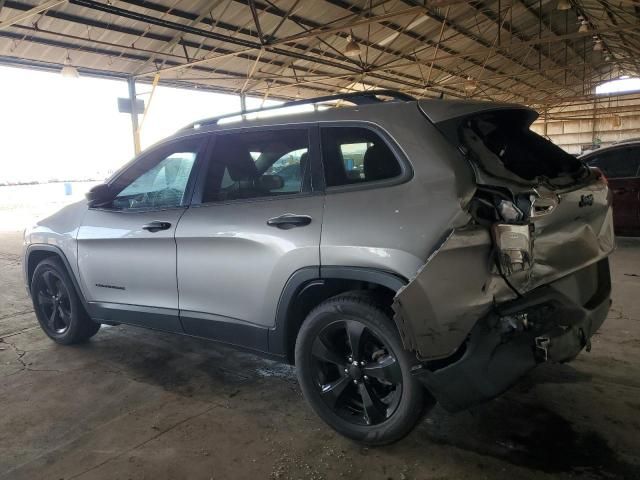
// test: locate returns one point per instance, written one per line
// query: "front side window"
(257, 164)
(618, 163)
(353, 155)
(158, 180)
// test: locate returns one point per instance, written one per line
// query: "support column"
(131, 81)
(243, 104)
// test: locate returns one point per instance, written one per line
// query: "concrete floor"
(139, 404)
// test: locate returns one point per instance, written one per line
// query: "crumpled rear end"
(525, 281)
(461, 281)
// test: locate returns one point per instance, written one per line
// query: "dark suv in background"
(620, 163)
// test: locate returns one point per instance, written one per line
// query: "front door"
(257, 223)
(127, 250)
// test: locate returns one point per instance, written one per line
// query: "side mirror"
(99, 195)
(270, 182)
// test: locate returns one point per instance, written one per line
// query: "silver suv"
(397, 251)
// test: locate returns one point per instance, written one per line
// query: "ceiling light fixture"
(584, 26)
(470, 85)
(597, 46)
(563, 5)
(68, 70)
(353, 48)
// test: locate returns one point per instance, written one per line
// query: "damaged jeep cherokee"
(396, 251)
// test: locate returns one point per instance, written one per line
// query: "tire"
(376, 403)
(57, 306)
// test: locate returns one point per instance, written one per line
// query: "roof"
(523, 51)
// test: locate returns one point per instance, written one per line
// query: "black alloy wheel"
(54, 303)
(354, 371)
(57, 305)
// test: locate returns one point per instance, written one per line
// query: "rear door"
(254, 221)
(621, 166)
(127, 250)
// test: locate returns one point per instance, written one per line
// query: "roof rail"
(357, 98)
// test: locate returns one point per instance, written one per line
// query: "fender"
(307, 278)
(40, 247)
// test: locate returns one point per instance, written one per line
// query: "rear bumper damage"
(490, 304)
(548, 324)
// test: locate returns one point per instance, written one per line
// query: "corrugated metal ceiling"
(514, 50)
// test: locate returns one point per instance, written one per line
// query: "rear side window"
(257, 164)
(354, 155)
(618, 163)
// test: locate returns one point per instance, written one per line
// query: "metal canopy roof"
(525, 51)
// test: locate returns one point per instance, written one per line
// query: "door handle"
(156, 226)
(289, 220)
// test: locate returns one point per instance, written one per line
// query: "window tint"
(353, 155)
(158, 180)
(618, 163)
(257, 164)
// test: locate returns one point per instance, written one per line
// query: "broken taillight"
(514, 245)
(600, 175)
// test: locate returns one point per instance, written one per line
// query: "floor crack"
(16, 314)
(20, 357)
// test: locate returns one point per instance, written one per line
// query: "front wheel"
(57, 305)
(355, 373)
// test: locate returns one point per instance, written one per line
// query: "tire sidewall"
(71, 334)
(412, 397)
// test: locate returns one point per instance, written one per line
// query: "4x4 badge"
(586, 200)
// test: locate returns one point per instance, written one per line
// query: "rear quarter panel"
(394, 228)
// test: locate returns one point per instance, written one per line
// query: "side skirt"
(165, 319)
(227, 331)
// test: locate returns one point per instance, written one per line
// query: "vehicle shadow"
(517, 427)
(520, 429)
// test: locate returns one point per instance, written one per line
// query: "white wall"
(604, 120)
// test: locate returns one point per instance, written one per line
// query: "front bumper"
(551, 323)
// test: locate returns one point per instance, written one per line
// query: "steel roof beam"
(481, 40)
(424, 39)
(396, 28)
(123, 54)
(22, 16)
(485, 11)
(406, 80)
(233, 40)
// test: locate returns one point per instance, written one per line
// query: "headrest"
(239, 163)
(379, 163)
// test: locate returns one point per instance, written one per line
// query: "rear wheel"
(355, 373)
(57, 306)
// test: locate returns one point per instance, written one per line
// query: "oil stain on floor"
(529, 436)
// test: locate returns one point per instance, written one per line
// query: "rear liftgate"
(526, 281)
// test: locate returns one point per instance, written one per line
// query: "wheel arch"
(36, 253)
(309, 286)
